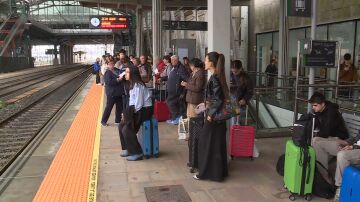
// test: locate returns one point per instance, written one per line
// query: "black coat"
(177, 75)
(242, 87)
(330, 122)
(113, 87)
(214, 96)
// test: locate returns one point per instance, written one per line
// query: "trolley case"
(299, 170)
(149, 138)
(161, 110)
(242, 140)
(195, 126)
(350, 186)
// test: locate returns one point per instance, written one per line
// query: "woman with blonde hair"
(212, 154)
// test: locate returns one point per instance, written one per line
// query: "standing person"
(195, 87)
(241, 87)
(145, 69)
(114, 91)
(139, 110)
(174, 89)
(271, 72)
(347, 76)
(96, 70)
(186, 64)
(103, 69)
(158, 67)
(212, 154)
(168, 67)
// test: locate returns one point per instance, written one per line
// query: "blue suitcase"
(350, 186)
(150, 138)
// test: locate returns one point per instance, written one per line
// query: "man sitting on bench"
(332, 138)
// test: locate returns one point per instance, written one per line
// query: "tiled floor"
(120, 180)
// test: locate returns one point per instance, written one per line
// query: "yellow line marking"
(95, 159)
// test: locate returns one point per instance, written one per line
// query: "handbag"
(229, 109)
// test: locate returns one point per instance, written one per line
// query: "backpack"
(302, 132)
(321, 187)
(280, 165)
(95, 68)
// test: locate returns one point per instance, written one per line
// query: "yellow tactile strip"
(68, 177)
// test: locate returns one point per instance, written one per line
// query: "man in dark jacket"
(241, 85)
(271, 72)
(174, 89)
(328, 118)
(332, 138)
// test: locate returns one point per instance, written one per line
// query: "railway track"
(21, 122)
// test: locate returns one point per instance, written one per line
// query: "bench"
(352, 123)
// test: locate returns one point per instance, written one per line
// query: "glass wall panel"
(344, 33)
(294, 36)
(321, 32)
(276, 45)
(264, 51)
(357, 47)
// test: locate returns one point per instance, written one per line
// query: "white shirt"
(140, 97)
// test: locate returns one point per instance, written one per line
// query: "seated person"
(139, 110)
(332, 138)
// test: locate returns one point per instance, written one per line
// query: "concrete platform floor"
(121, 180)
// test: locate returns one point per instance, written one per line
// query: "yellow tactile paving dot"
(72, 169)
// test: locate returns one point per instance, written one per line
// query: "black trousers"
(127, 132)
(173, 103)
(97, 77)
(110, 102)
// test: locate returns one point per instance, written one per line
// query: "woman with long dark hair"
(139, 110)
(212, 152)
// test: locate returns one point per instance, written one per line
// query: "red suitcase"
(242, 140)
(161, 110)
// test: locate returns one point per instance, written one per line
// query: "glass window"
(294, 36)
(264, 51)
(321, 32)
(344, 33)
(275, 45)
(357, 47)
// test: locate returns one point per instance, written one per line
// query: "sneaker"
(337, 195)
(124, 153)
(104, 124)
(135, 157)
(196, 177)
(169, 121)
(176, 121)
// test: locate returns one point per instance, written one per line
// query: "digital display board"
(109, 22)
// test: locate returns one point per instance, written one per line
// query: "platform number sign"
(299, 8)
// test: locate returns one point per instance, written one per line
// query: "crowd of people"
(128, 82)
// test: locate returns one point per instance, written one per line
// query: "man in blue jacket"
(96, 70)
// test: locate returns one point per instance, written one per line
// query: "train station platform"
(88, 167)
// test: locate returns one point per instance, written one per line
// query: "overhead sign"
(184, 25)
(109, 22)
(299, 8)
(322, 54)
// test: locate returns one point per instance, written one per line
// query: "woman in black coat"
(212, 152)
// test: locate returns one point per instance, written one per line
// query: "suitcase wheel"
(232, 157)
(308, 197)
(147, 156)
(156, 155)
(251, 158)
(292, 197)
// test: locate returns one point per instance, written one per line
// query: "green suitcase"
(299, 170)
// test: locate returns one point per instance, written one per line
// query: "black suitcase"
(195, 127)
